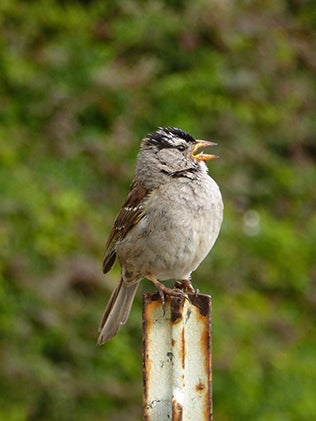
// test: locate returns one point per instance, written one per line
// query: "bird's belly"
(174, 236)
(173, 247)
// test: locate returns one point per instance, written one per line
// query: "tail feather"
(117, 310)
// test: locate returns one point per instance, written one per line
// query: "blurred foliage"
(80, 84)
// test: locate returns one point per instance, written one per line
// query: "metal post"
(177, 358)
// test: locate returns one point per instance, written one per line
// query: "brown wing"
(131, 212)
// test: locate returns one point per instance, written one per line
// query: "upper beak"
(203, 156)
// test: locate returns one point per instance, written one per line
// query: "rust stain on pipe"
(177, 411)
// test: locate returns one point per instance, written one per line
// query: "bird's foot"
(163, 291)
(186, 286)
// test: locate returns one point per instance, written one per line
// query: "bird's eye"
(181, 148)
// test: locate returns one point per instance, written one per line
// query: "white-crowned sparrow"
(168, 223)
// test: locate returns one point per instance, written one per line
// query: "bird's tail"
(117, 310)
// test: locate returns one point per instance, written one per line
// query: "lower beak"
(203, 156)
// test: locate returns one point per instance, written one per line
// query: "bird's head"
(178, 144)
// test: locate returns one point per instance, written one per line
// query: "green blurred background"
(80, 84)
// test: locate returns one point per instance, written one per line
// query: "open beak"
(203, 156)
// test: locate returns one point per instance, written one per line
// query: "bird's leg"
(163, 291)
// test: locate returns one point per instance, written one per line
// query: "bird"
(167, 225)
